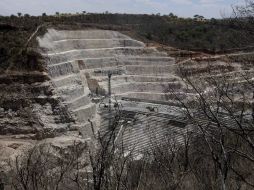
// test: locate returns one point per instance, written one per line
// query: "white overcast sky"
(183, 8)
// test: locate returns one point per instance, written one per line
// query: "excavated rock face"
(29, 113)
(29, 109)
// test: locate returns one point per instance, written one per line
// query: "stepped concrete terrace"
(78, 57)
(79, 63)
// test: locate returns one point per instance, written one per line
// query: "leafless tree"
(47, 167)
(221, 111)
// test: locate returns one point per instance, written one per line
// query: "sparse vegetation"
(214, 35)
(217, 154)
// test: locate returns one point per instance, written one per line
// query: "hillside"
(206, 36)
(117, 101)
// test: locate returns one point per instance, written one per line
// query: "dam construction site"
(95, 75)
(104, 88)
